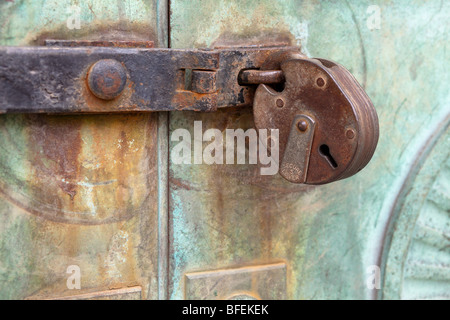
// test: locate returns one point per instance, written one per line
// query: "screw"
(302, 125)
(350, 134)
(107, 79)
(280, 103)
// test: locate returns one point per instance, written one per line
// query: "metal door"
(98, 197)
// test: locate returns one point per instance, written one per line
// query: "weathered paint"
(78, 190)
(267, 282)
(417, 259)
(74, 169)
(32, 22)
(227, 215)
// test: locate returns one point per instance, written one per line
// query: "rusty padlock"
(328, 127)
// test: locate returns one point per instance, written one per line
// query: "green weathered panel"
(229, 216)
(27, 22)
(79, 190)
(417, 255)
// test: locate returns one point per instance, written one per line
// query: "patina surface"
(228, 215)
(88, 79)
(417, 259)
(78, 190)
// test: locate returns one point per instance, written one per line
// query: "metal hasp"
(98, 77)
(328, 127)
(295, 162)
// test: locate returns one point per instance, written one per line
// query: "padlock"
(327, 125)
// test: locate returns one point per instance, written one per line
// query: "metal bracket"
(94, 77)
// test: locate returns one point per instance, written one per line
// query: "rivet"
(107, 79)
(302, 125)
(350, 134)
(320, 82)
(280, 103)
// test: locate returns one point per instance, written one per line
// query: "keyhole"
(325, 152)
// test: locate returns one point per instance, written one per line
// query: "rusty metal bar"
(90, 79)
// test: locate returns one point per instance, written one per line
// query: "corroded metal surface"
(106, 79)
(87, 170)
(266, 282)
(78, 190)
(228, 215)
(329, 94)
(99, 43)
(60, 79)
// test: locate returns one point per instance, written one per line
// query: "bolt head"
(350, 134)
(107, 79)
(302, 125)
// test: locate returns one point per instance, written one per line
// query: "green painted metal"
(79, 190)
(142, 224)
(417, 259)
(227, 216)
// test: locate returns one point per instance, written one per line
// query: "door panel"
(79, 190)
(228, 216)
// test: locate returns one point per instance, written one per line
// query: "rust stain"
(180, 184)
(253, 38)
(185, 100)
(101, 43)
(118, 33)
(59, 140)
(86, 169)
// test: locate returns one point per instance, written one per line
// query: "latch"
(328, 127)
